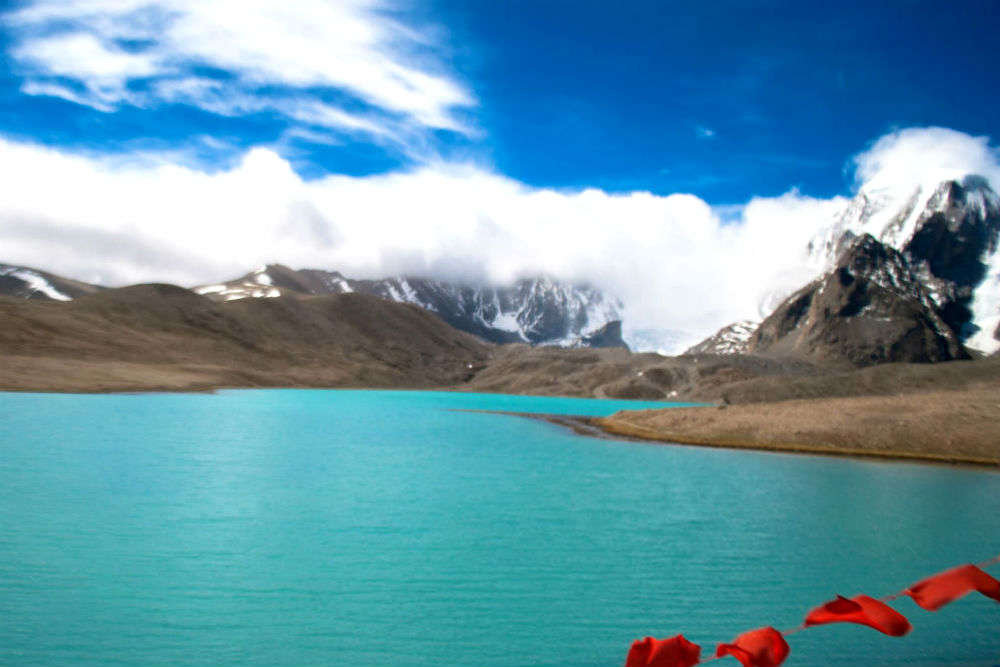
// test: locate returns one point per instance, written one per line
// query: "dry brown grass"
(961, 425)
(157, 337)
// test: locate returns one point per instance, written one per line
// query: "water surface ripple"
(371, 528)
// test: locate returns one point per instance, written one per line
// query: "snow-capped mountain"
(27, 283)
(730, 339)
(948, 233)
(941, 237)
(871, 308)
(539, 311)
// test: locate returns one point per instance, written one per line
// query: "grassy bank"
(953, 426)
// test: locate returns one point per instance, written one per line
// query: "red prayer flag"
(863, 610)
(673, 652)
(937, 591)
(763, 647)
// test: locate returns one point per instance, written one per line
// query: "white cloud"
(925, 156)
(704, 132)
(673, 259)
(350, 47)
(777, 230)
(83, 57)
(65, 93)
(319, 114)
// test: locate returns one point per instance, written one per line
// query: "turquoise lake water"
(372, 528)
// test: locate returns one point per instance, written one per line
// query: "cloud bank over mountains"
(677, 262)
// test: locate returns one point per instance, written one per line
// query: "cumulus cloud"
(677, 262)
(265, 56)
(672, 259)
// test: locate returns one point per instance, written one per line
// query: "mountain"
(610, 335)
(539, 311)
(941, 237)
(23, 282)
(731, 339)
(163, 336)
(872, 308)
(948, 233)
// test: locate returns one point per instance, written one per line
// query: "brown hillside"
(161, 331)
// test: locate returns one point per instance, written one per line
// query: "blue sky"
(725, 100)
(680, 156)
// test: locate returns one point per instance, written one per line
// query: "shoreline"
(601, 428)
(648, 435)
(213, 389)
(622, 426)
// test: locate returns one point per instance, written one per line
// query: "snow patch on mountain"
(334, 283)
(986, 310)
(731, 339)
(34, 282)
(503, 322)
(257, 285)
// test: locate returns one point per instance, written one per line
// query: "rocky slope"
(539, 311)
(871, 308)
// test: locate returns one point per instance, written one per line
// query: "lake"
(385, 528)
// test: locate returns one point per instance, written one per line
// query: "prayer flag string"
(766, 647)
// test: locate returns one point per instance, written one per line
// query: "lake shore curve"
(947, 427)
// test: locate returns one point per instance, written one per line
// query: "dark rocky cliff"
(871, 308)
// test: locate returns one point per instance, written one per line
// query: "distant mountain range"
(897, 279)
(902, 276)
(538, 311)
(166, 337)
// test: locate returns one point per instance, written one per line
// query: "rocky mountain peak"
(953, 246)
(867, 258)
(870, 308)
(948, 234)
(973, 193)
